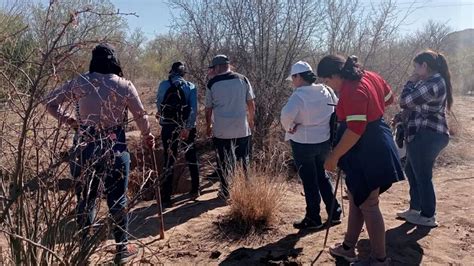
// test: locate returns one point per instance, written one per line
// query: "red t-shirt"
(364, 101)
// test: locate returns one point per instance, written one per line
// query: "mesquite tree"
(264, 38)
(41, 47)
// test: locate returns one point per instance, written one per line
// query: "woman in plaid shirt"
(424, 100)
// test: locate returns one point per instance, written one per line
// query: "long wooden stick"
(342, 198)
(158, 196)
(328, 223)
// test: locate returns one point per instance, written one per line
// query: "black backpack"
(174, 108)
(333, 120)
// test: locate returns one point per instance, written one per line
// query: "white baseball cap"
(299, 67)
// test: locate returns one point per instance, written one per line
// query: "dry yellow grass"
(460, 124)
(255, 198)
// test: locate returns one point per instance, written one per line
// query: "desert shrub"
(255, 199)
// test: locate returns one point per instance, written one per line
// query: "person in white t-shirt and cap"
(230, 112)
(305, 118)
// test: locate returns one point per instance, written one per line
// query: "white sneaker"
(421, 220)
(409, 212)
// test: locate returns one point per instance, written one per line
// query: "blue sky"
(155, 15)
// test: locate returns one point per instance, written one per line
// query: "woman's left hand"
(293, 129)
(331, 162)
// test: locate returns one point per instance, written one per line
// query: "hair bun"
(352, 61)
(351, 69)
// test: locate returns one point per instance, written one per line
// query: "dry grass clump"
(276, 159)
(458, 150)
(255, 199)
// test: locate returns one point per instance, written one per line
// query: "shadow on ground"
(281, 252)
(402, 244)
(144, 221)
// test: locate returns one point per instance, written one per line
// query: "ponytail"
(444, 71)
(308, 76)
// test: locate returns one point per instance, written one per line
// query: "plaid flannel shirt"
(425, 105)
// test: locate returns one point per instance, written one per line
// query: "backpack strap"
(184, 101)
(333, 95)
(333, 120)
(178, 88)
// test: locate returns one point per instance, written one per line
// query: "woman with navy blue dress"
(365, 151)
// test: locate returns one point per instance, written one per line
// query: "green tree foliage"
(16, 48)
(41, 47)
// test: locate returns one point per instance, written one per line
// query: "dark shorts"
(372, 163)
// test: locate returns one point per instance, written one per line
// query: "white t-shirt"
(308, 109)
(227, 94)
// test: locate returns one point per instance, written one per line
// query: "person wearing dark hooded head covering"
(101, 99)
(176, 103)
(104, 61)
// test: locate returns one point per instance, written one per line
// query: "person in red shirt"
(365, 151)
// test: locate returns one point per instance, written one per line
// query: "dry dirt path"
(194, 237)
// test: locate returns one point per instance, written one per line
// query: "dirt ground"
(194, 235)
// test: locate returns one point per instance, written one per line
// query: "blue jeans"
(422, 152)
(99, 165)
(309, 160)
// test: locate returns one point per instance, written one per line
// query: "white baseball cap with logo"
(299, 67)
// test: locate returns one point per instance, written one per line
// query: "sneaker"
(339, 251)
(125, 254)
(336, 221)
(409, 212)
(422, 220)
(336, 218)
(308, 223)
(372, 262)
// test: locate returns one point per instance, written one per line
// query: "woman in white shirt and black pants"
(305, 118)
